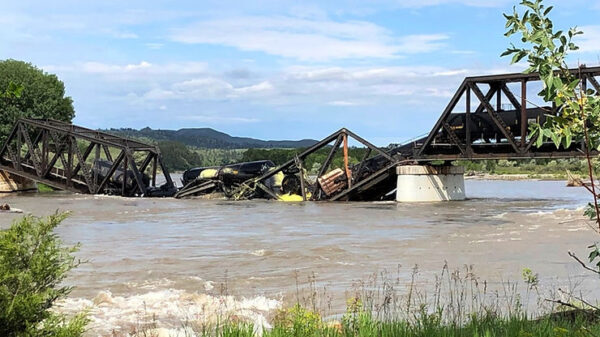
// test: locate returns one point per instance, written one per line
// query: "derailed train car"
(223, 179)
(373, 178)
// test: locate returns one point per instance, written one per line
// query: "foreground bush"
(33, 263)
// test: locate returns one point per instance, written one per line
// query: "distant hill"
(210, 138)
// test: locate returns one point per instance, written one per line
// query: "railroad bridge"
(81, 160)
(487, 118)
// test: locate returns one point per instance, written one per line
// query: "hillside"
(209, 138)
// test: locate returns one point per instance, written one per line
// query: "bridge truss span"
(495, 121)
(81, 160)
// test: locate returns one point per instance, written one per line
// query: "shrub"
(33, 263)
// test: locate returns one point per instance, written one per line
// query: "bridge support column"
(424, 183)
(12, 183)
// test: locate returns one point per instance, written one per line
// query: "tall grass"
(459, 305)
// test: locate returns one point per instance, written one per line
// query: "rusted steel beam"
(494, 116)
(362, 163)
(363, 182)
(9, 140)
(301, 177)
(518, 77)
(594, 83)
(31, 150)
(511, 97)
(124, 182)
(107, 152)
(454, 138)
(468, 121)
(111, 171)
(86, 154)
(443, 117)
(523, 113)
(136, 173)
(87, 172)
(369, 145)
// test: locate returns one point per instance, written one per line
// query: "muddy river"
(176, 258)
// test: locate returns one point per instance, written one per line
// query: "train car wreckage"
(373, 178)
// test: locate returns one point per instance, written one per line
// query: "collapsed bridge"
(81, 160)
(494, 124)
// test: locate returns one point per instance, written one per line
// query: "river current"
(176, 258)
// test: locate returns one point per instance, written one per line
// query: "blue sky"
(271, 69)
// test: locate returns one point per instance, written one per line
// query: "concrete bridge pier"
(424, 183)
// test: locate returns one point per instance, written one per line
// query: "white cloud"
(308, 39)
(154, 45)
(140, 68)
(590, 40)
(343, 103)
(324, 86)
(218, 119)
(472, 3)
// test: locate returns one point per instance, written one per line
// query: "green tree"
(177, 156)
(33, 263)
(32, 93)
(578, 118)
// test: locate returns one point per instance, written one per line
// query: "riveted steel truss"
(371, 179)
(73, 158)
(492, 130)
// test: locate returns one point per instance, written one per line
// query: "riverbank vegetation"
(459, 304)
(30, 93)
(33, 265)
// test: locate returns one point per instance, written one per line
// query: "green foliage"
(422, 325)
(531, 279)
(578, 117)
(33, 263)
(297, 320)
(177, 156)
(546, 51)
(30, 93)
(12, 91)
(43, 188)
(594, 254)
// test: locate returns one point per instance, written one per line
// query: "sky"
(272, 69)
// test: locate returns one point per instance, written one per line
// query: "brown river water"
(177, 259)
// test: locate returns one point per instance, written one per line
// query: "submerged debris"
(372, 178)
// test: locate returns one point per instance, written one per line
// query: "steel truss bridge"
(493, 125)
(73, 158)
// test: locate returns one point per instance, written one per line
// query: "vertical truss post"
(468, 121)
(154, 168)
(165, 171)
(594, 83)
(499, 99)
(69, 167)
(107, 153)
(97, 158)
(362, 163)
(19, 145)
(523, 113)
(136, 174)
(124, 180)
(346, 168)
(45, 152)
(301, 176)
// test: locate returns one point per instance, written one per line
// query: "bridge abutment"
(12, 183)
(424, 183)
